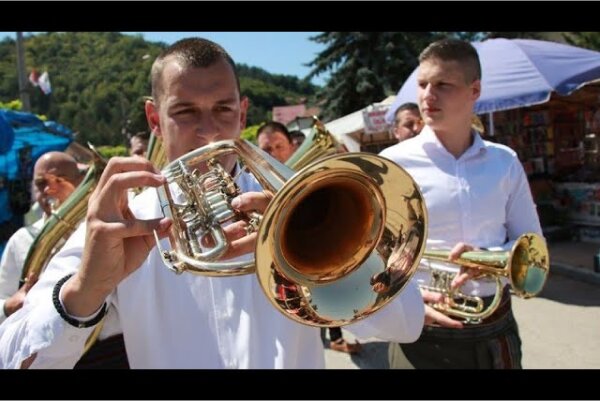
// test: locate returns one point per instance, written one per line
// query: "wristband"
(71, 320)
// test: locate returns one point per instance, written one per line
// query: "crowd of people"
(108, 278)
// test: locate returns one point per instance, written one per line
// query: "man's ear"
(244, 103)
(476, 87)
(152, 117)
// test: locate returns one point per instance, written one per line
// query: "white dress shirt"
(187, 321)
(13, 260)
(482, 198)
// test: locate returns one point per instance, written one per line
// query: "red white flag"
(34, 77)
(44, 83)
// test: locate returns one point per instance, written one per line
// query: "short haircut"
(455, 50)
(143, 135)
(408, 106)
(190, 52)
(297, 134)
(272, 127)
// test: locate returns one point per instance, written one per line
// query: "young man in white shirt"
(477, 196)
(168, 320)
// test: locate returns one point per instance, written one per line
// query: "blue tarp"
(520, 73)
(28, 138)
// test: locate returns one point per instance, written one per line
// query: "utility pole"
(22, 74)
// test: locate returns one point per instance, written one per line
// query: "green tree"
(588, 40)
(100, 81)
(365, 66)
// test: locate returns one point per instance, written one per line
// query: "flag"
(44, 83)
(34, 76)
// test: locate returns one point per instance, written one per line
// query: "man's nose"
(428, 92)
(207, 129)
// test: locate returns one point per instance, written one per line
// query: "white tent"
(349, 129)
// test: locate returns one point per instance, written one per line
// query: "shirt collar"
(428, 136)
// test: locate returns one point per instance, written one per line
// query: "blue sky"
(276, 52)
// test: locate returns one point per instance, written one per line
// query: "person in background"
(297, 138)
(274, 138)
(138, 144)
(407, 122)
(55, 177)
(477, 197)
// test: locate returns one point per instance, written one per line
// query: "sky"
(276, 52)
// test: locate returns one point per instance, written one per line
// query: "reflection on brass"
(61, 224)
(318, 144)
(156, 152)
(339, 240)
(156, 155)
(526, 266)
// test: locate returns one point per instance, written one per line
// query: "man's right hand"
(116, 242)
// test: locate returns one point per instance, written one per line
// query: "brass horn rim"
(392, 177)
(532, 241)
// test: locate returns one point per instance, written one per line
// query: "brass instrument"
(318, 144)
(332, 231)
(526, 266)
(156, 151)
(59, 226)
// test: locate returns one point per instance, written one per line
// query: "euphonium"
(318, 144)
(526, 266)
(59, 226)
(332, 231)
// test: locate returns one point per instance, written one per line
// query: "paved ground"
(559, 329)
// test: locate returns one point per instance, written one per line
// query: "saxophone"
(61, 224)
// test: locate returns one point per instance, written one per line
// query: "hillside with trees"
(99, 81)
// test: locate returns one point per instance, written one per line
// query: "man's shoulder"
(500, 150)
(402, 149)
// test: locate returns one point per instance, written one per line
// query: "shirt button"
(73, 338)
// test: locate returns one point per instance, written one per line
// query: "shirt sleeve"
(399, 321)
(521, 212)
(10, 272)
(37, 328)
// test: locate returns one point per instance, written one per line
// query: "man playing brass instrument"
(171, 321)
(55, 176)
(477, 196)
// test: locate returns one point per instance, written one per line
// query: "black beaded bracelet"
(72, 321)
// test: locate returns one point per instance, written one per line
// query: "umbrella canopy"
(519, 73)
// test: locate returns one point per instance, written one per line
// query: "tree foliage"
(588, 40)
(100, 80)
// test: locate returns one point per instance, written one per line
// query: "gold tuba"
(331, 232)
(526, 266)
(61, 224)
(318, 144)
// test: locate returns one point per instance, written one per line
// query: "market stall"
(364, 130)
